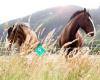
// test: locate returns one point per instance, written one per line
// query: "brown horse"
(80, 19)
(22, 35)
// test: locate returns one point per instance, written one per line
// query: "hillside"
(54, 18)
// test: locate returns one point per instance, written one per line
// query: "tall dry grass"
(52, 65)
(49, 67)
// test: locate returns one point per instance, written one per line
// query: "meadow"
(52, 65)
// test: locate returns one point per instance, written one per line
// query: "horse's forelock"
(9, 32)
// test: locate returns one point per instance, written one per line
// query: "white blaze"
(93, 26)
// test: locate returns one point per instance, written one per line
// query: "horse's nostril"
(92, 34)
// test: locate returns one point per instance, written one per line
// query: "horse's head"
(86, 23)
(11, 33)
(16, 34)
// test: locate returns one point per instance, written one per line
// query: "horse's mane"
(17, 33)
(77, 13)
(22, 24)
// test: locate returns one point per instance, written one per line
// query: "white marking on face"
(93, 26)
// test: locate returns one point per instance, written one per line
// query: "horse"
(22, 35)
(80, 19)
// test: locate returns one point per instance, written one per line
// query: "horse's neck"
(72, 28)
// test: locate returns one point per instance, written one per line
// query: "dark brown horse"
(80, 19)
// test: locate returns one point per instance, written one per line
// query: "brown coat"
(23, 36)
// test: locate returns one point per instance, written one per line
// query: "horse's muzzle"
(91, 34)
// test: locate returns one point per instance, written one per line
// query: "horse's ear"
(84, 9)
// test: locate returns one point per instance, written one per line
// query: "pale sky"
(12, 9)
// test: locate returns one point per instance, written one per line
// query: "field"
(48, 66)
(52, 65)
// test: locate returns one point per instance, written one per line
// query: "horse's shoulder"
(80, 39)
